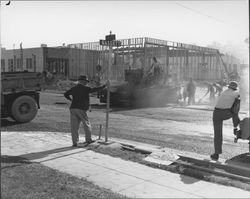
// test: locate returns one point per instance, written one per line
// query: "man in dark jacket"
(79, 107)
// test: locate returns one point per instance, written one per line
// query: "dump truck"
(136, 92)
(20, 93)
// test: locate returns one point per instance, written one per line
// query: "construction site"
(125, 99)
(148, 141)
(132, 59)
(183, 61)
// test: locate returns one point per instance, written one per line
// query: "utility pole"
(110, 42)
(108, 94)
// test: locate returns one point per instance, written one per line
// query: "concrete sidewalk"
(128, 178)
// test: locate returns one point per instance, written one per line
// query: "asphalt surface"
(174, 127)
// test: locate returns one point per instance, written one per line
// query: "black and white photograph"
(109, 99)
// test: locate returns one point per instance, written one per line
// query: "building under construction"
(176, 59)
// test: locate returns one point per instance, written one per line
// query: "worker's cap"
(83, 78)
(233, 85)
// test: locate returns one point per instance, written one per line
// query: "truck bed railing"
(20, 81)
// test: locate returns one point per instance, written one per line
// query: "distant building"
(57, 60)
(30, 59)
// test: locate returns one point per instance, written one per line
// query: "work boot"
(214, 156)
(74, 145)
(90, 141)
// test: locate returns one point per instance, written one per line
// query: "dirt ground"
(171, 126)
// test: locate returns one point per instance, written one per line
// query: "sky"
(197, 22)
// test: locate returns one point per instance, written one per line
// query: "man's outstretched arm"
(67, 95)
(92, 90)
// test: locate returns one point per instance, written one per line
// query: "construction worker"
(223, 111)
(211, 91)
(154, 73)
(190, 89)
(184, 94)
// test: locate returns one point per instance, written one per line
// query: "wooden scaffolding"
(176, 59)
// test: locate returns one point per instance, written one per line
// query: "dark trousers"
(218, 117)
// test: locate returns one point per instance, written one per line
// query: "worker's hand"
(237, 133)
(236, 130)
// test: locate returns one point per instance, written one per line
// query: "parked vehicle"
(20, 95)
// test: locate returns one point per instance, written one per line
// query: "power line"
(200, 13)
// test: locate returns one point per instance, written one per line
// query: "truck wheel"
(24, 109)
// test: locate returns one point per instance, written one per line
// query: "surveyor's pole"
(108, 95)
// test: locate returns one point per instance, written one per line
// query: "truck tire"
(24, 109)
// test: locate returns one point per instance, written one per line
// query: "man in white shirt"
(222, 112)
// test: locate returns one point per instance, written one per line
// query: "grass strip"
(22, 179)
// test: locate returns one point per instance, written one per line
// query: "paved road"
(182, 129)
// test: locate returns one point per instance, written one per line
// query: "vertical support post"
(192, 64)
(14, 58)
(34, 61)
(187, 65)
(21, 56)
(210, 67)
(100, 131)
(144, 65)
(45, 67)
(108, 95)
(167, 60)
(123, 61)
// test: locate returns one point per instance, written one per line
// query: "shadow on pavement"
(188, 180)
(42, 154)
(13, 161)
(8, 122)
(25, 158)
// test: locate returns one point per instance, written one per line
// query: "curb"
(218, 168)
